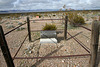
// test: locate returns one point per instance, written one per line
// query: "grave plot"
(70, 51)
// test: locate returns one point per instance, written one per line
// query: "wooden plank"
(5, 49)
(94, 43)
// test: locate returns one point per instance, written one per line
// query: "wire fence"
(48, 57)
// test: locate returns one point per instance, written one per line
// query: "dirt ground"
(35, 49)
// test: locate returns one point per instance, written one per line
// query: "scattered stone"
(28, 48)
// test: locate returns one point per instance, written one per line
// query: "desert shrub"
(37, 15)
(49, 27)
(54, 15)
(19, 23)
(20, 28)
(33, 21)
(0, 19)
(7, 23)
(94, 18)
(72, 27)
(10, 26)
(1, 22)
(75, 19)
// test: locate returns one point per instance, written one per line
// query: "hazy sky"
(48, 4)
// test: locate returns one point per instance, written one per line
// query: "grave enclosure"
(92, 53)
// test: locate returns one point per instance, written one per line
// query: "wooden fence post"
(65, 30)
(5, 49)
(28, 27)
(99, 18)
(94, 43)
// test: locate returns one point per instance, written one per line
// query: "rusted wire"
(46, 19)
(15, 28)
(53, 56)
(81, 26)
(84, 27)
(83, 44)
(20, 47)
(45, 30)
(79, 43)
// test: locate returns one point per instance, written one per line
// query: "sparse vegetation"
(0, 19)
(49, 27)
(37, 15)
(7, 23)
(75, 19)
(21, 28)
(10, 26)
(19, 23)
(1, 22)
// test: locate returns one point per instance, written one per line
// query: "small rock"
(74, 65)
(33, 50)
(63, 61)
(30, 51)
(28, 47)
(78, 65)
(65, 50)
(51, 63)
(87, 41)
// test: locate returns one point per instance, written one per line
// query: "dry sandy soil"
(35, 49)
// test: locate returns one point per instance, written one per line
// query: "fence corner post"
(65, 29)
(99, 18)
(28, 28)
(5, 49)
(94, 43)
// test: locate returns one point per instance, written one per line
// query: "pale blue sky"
(47, 4)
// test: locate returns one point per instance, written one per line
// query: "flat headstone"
(48, 34)
(48, 40)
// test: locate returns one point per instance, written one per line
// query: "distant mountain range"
(37, 10)
(25, 11)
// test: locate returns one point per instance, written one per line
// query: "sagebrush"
(75, 19)
(49, 27)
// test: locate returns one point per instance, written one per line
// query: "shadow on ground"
(60, 39)
(41, 60)
(98, 58)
